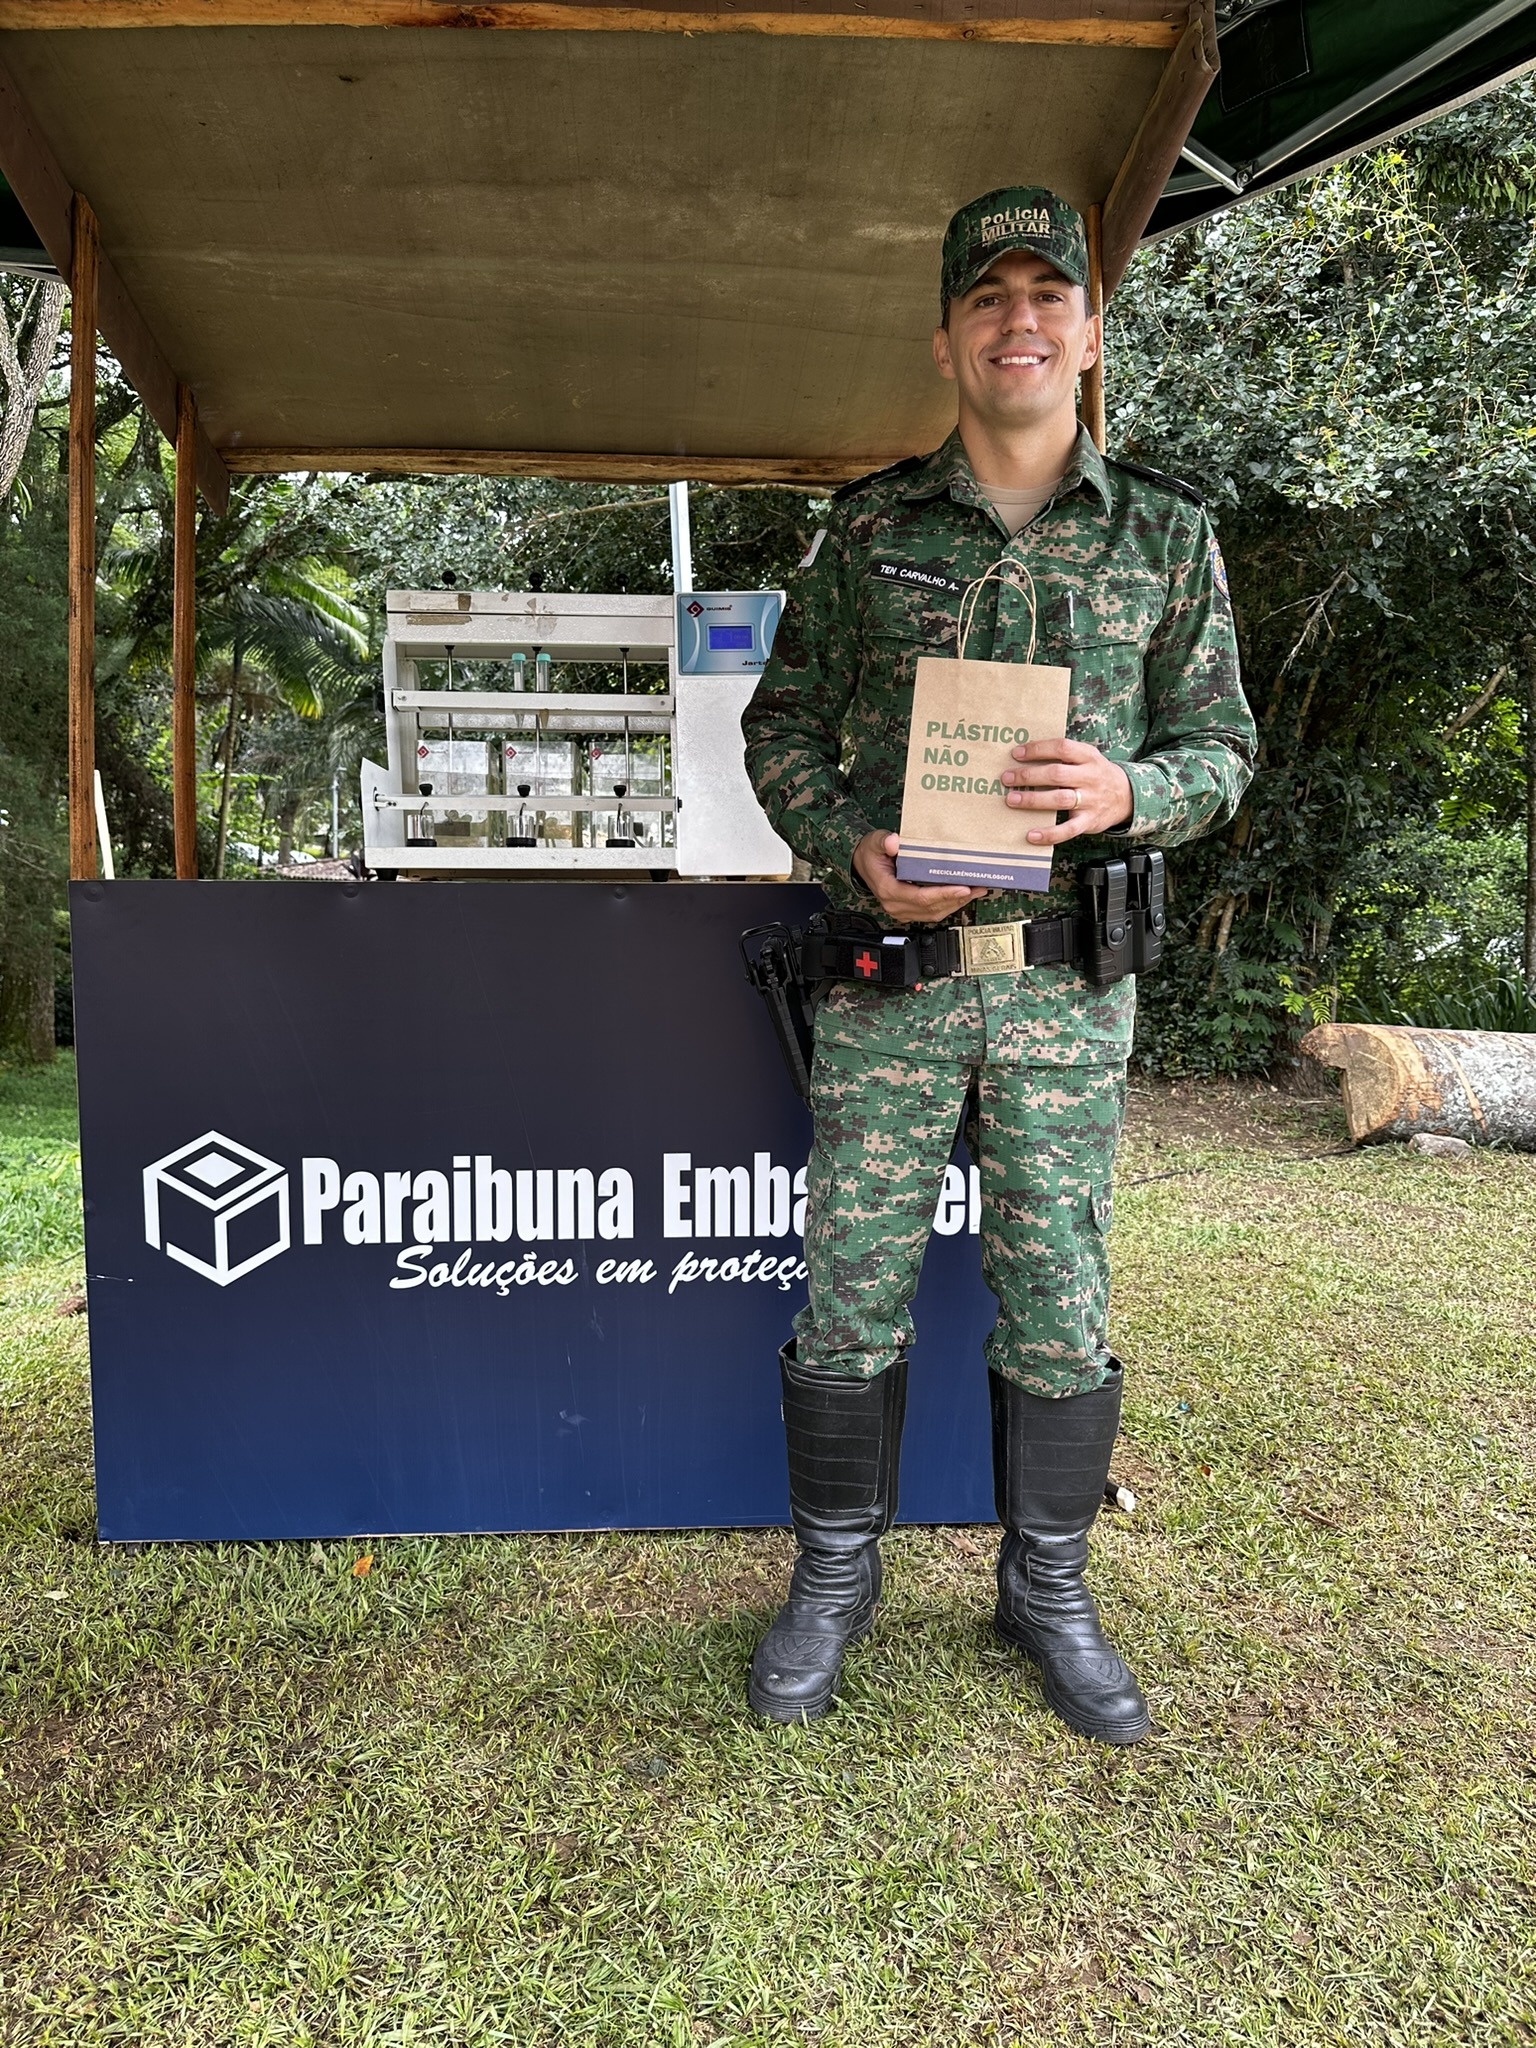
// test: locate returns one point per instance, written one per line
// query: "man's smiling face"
(1017, 341)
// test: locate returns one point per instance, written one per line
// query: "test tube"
(629, 764)
(495, 785)
(519, 683)
(576, 755)
(540, 684)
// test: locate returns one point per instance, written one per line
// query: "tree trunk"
(24, 366)
(229, 762)
(26, 996)
(287, 818)
(1399, 1080)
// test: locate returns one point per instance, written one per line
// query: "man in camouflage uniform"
(1128, 591)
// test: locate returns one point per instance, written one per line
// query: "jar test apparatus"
(693, 811)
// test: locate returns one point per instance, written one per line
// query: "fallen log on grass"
(1399, 1080)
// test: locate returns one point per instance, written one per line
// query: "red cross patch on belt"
(868, 966)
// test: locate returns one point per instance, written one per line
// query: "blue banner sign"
(458, 1206)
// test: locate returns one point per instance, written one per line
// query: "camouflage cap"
(1013, 217)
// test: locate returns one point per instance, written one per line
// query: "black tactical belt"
(906, 959)
(1117, 930)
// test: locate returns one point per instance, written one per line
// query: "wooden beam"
(1154, 151)
(184, 644)
(82, 544)
(1093, 379)
(810, 471)
(1134, 27)
(33, 174)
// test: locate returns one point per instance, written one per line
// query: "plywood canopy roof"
(694, 243)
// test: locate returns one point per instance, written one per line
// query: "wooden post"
(184, 642)
(1187, 78)
(82, 545)
(1093, 379)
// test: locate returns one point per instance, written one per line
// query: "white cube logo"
(217, 1207)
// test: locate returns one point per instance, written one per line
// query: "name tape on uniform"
(916, 578)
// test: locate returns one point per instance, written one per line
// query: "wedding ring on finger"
(1077, 801)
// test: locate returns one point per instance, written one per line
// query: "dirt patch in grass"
(1218, 1115)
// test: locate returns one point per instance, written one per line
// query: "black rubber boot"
(1050, 1460)
(844, 1440)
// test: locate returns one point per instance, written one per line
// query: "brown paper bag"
(967, 716)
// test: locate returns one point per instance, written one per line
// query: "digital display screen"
(723, 637)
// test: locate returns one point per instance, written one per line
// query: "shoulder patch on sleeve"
(1161, 478)
(878, 476)
(1219, 570)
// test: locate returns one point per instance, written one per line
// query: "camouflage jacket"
(1130, 594)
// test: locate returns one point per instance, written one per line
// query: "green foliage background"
(1345, 368)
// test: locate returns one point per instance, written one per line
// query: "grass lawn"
(505, 1791)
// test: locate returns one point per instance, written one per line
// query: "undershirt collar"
(1017, 508)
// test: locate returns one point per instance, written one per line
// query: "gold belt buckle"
(992, 948)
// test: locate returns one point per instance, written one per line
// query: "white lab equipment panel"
(721, 829)
(383, 825)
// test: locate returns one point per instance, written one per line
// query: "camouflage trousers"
(1044, 1139)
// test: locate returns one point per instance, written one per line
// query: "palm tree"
(277, 625)
(296, 639)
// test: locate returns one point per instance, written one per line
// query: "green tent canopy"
(1306, 82)
(21, 249)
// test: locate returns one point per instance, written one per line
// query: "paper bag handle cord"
(972, 594)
